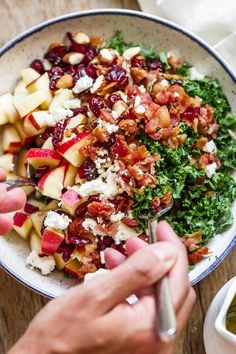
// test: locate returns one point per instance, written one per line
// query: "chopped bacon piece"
(166, 199)
(198, 255)
(101, 209)
(130, 222)
(106, 115)
(109, 229)
(128, 125)
(101, 134)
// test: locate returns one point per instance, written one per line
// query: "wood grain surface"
(18, 305)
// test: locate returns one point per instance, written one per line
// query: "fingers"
(139, 271)
(6, 223)
(178, 275)
(13, 200)
(113, 258)
(3, 174)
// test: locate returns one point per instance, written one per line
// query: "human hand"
(95, 318)
(9, 201)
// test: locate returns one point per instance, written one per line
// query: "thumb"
(140, 270)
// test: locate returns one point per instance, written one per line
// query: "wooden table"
(18, 305)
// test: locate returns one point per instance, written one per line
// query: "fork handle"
(14, 183)
(166, 319)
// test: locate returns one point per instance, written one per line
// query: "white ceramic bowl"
(137, 27)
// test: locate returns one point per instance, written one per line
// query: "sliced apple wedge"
(60, 263)
(70, 175)
(39, 119)
(29, 128)
(27, 104)
(72, 267)
(11, 141)
(70, 200)
(38, 157)
(22, 224)
(7, 162)
(7, 108)
(28, 75)
(70, 149)
(37, 220)
(20, 90)
(25, 139)
(35, 242)
(52, 205)
(36, 203)
(51, 240)
(51, 184)
(48, 144)
(42, 83)
(60, 97)
(22, 163)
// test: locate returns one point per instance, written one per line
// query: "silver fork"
(166, 322)
(21, 181)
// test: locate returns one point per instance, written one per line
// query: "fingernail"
(165, 254)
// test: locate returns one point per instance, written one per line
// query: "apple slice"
(28, 75)
(48, 144)
(51, 240)
(7, 109)
(60, 263)
(70, 175)
(70, 200)
(20, 90)
(38, 157)
(7, 162)
(38, 119)
(25, 105)
(25, 139)
(42, 83)
(51, 184)
(72, 267)
(52, 205)
(21, 168)
(60, 97)
(35, 243)
(29, 127)
(11, 141)
(37, 220)
(22, 224)
(70, 149)
(36, 203)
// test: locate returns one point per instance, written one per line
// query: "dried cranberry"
(66, 249)
(29, 208)
(37, 65)
(177, 82)
(59, 132)
(88, 170)
(40, 172)
(91, 71)
(48, 132)
(79, 71)
(55, 54)
(122, 83)
(96, 104)
(118, 75)
(78, 240)
(154, 64)
(81, 210)
(120, 247)
(191, 113)
(109, 143)
(76, 46)
(112, 99)
(120, 147)
(82, 110)
(89, 54)
(104, 243)
(55, 74)
(138, 61)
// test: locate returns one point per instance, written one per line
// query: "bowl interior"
(137, 28)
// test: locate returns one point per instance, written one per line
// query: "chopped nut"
(131, 52)
(73, 58)
(82, 38)
(138, 74)
(56, 44)
(97, 42)
(66, 81)
(106, 55)
(102, 91)
(119, 107)
(46, 64)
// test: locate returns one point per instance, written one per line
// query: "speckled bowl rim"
(148, 17)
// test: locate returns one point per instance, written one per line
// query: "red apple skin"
(43, 157)
(19, 219)
(34, 122)
(70, 197)
(72, 267)
(43, 179)
(64, 147)
(51, 241)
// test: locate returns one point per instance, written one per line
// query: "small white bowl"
(220, 323)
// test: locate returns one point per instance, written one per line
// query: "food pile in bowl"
(112, 133)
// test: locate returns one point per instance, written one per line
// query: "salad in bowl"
(113, 132)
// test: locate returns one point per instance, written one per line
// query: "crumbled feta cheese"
(123, 96)
(176, 94)
(137, 101)
(56, 220)
(57, 114)
(75, 121)
(209, 147)
(194, 74)
(164, 83)
(140, 109)
(210, 169)
(102, 257)
(124, 233)
(84, 83)
(82, 38)
(117, 217)
(102, 152)
(110, 128)
(106, 55)
(119, 107)
(76, 58)
(90, 276)
(46, 264)
(131, 52)
(142, 89)
(97, 84)
(91, 225)
(114, 115)
(72, 104)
